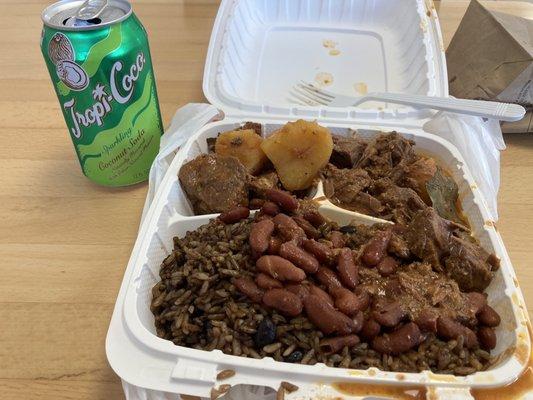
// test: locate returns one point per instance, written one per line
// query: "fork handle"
(479, 108)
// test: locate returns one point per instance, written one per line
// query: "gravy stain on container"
(515, 391)
(334, 52)
(360, 88)
(329, 44)
(394, 392)
(491, 224)
(324, 79)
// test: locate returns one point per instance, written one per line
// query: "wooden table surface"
(64, 242)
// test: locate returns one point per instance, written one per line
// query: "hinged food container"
(258, 50)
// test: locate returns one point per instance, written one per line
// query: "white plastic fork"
(341, 215)
(308, 94)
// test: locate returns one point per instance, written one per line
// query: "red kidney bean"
(248, 287)
(493, 261)
(274, 245)
(267, 282)
(335, 344)
(328, 278)
(370, 330)
(427, 320)
(234, 215)
(323, 253)
(376, 249)
(363, 298)
(256, 204)
(387, 266)
(326, 318)
(488, 316)
(347, 269)
(315, 218)
(280, 269)
(283, 199)
(288, 229)
(390, 314)
(260, 234)
(337, 239)
(310, 230)
(284, 301)
(448, 328)
(398, 341)
(270, 208)
(486, 337)
(316, 291)
(302, 291)
(476, 301)
(348, 302)
(299, 257)
(358, 320)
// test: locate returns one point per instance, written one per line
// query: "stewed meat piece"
(402, 202)
(214, 183)
(469, 265)
(345, 187)
(432, 239)
(384, 153)
(428, 236)
(347, 150)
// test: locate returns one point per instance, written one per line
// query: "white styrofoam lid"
(260, 48)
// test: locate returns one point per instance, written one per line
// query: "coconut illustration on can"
(60, 49)
(72, 75)
(62, 55)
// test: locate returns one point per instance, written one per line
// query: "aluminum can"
(98, 57)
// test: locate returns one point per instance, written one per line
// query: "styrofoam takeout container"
(252, 37)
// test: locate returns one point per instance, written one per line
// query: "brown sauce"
(391, 391)
(516, 390)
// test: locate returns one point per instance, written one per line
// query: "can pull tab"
(91, 9)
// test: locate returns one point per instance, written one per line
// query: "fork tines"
(310, 95)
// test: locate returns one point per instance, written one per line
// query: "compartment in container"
(165, 225)
(261, 48)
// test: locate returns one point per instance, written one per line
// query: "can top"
(74, 15)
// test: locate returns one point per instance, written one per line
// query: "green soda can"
(98, 57)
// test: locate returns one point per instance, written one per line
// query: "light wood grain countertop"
(64, 242)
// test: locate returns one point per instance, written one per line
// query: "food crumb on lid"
(361, 88)
(324, 79)
(329, 44)
(334, 52)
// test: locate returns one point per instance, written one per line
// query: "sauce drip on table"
(393, 392)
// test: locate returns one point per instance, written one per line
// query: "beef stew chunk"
(447, 247)
(384, 153)
(347, 151)
(428, 236)
(345, 187)
(469, 265)
(214, 183)
(402, 202)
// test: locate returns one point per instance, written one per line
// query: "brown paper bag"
(491, 57)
